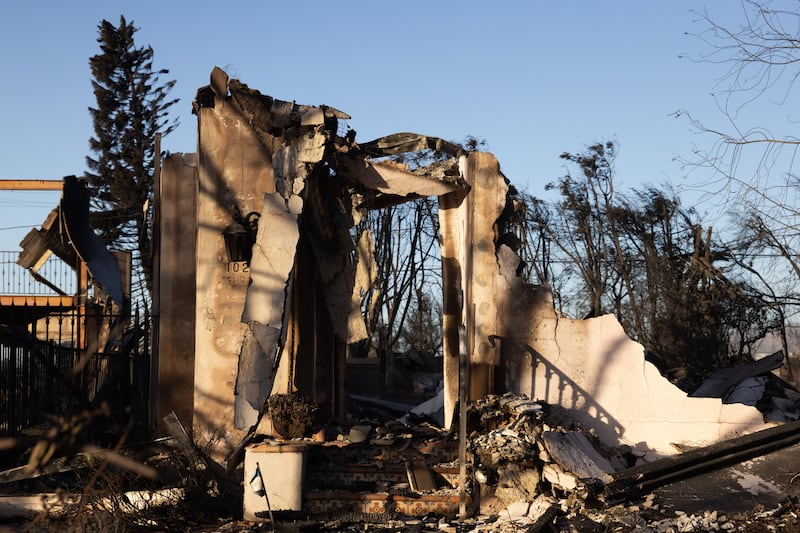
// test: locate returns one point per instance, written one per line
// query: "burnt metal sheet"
(101, 263)
(762, 481)
(404, 142)
(724, 380)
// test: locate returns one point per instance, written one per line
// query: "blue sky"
(534, 79)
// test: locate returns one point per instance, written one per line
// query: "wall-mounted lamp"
(240, 236)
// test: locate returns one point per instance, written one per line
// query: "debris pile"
(526, 451)
(535, 467)
(532, 469)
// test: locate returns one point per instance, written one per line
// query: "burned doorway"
(400, 292)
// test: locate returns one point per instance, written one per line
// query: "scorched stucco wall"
(233, 169)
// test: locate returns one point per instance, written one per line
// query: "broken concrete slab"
(574, 454)
(523, 516)
(542, 511)
(557, 476)
(517, 484)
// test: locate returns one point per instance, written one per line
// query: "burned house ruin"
(256, 303)
(282, 323)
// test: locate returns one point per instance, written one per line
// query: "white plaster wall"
(594, 369)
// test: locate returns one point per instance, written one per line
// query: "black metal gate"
(66, 361)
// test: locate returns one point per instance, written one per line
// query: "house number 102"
(237, 266)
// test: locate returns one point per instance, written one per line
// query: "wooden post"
(155, 315)
(463, 398)
(82, 272)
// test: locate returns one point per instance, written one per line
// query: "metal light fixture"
(240, 236)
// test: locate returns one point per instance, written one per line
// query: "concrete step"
(342, 477)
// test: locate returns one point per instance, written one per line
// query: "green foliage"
(132, 107)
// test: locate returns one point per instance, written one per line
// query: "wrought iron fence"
(64, 362)
(15, 280)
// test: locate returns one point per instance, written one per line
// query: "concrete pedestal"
(282, 469)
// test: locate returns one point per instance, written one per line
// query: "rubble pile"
(536, 469)
(525, 449)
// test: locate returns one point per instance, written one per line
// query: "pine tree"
(132, 106)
